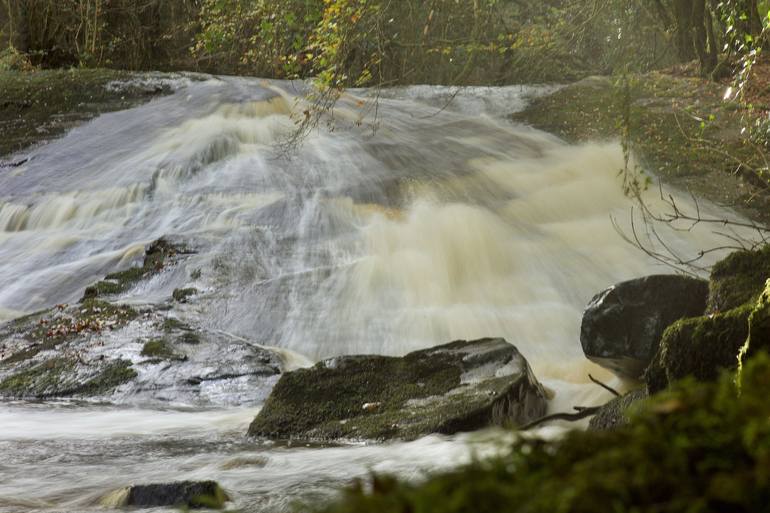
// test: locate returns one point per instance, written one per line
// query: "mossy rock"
(182, 295)
(60, 377)
(461, 386)
(50, 328)
(159, 348)
(738, 279)
(156, 256)
(616, 413)
(701, 347)
(181, 494)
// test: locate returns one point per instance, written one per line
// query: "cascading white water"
(446, 222)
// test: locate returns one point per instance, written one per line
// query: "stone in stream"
(180, 494)
(460, 386)
(622, 325)
(614, 414)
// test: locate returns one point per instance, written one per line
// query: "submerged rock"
(614, 414)
(622, 325)
(460, 386)
(181, 494)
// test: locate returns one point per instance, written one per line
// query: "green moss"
(700, 347)
(699, 447)
(58, 377)
(170, 324)
(378, 397)
(182, 295)
(738, 279)
(156, 257)
(41, 380)
(157, 348)
(299, 404)
(759, 327)
(111, 376)
(48, 329)
(189, 338)
(40, 105)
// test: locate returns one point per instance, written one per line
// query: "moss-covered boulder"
(622, 325)
(615, 413)
(738, 279)
(700, 347)
(460, 386)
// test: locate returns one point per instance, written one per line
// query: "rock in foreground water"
(181, 494)
(622, 325)
(460, 386)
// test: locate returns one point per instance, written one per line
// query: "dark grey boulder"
(190, 494)
(622, 325)
(460, 386)
(614, 414)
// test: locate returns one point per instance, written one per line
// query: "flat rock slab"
(460, 386)
(622, 326)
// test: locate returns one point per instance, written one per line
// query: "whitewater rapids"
(447, 221)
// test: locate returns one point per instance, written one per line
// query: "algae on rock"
(461, 386)
(700, 347)
(738, 279)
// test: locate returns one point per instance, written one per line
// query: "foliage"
(695, 448)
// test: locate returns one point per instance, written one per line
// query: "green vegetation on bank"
(42, 104)
(678, 127)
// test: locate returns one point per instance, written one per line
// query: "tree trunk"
(701, 30)
(683, 10)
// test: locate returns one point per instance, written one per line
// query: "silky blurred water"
(447, 221)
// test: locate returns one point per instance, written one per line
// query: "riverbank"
(40, 105)
(680, 128)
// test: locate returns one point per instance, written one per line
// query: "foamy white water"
(445, 223)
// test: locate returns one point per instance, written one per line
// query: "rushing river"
(448, 221)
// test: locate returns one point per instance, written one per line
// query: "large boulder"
(460, 386)
(622, 325)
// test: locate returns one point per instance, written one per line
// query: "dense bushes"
(356, 42)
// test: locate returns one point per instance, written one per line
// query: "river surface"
(437, 221)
